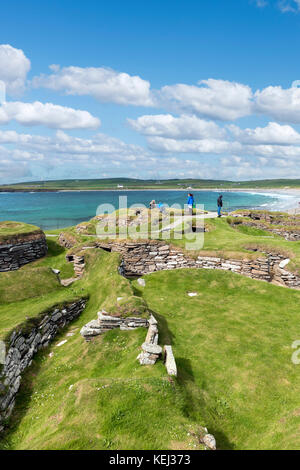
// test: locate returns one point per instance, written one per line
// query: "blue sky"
(149, 89)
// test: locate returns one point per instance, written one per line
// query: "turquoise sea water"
(62, 209)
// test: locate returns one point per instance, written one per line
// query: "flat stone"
(61, 343)
(283, 263)
(170, 361)
(141, 282)
(152, 348)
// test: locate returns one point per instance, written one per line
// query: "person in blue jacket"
(190, 203)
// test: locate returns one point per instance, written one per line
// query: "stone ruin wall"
(17, 253)
(22, 347)
(140, 258)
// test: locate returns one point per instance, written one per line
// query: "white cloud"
(261, 3)
(14, 66)
(205, 146)
(273, 133)
(281, 104)
(183, 127)
(286, 6)
(217, 99)
(47, 114)
(104, 84)
(12, 170)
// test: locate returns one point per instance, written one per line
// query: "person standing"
(190, 203)
(220, 205)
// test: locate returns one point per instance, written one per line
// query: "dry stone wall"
(22, 348)
(106, 322)
(139, 258)
(15, 254)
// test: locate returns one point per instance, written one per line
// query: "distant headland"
(123, 184)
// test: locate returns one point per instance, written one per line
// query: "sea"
(54, 210)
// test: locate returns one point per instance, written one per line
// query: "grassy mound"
(12, 231)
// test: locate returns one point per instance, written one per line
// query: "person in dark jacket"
(190, 203)
(220, 204)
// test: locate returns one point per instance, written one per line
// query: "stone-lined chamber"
(20, 244)
(23, 344)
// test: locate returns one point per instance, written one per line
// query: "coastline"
(288, 198)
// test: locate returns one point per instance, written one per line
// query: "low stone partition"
(169, 361)
(23, 345)
(106, 322)
(19, 252)
(150, 348)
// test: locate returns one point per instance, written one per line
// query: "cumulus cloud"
(184, 127)
(104, 84)
(204, 146)
(14, 67)
(217, 99)
(65, 146)
(273, 133)
(47, 114)
(282, 104)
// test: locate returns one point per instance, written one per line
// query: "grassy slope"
(114, 402)
(233, 352)
(27, 283)
(233, 349)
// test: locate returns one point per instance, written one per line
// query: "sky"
(149, 89)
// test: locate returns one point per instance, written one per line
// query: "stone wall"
(22, 347)
(15, 254)
(106, 322)
(139, 258)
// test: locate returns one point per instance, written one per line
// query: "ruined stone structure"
(140, 258)
(106, 322)
(20, 251)
(23, 345)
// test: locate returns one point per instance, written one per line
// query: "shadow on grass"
(194, 401)
(54, 249)
(193, 393)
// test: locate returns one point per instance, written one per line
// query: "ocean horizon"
(54, 210)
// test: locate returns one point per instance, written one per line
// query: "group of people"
(159, 206)
(190, 204)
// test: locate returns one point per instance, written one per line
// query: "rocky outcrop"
(17, 253)
(23, 345)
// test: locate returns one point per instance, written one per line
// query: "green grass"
(131, 183)
(27, 283)
(230, 242)
(114, 402)
(232, 345)
(13, 230)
